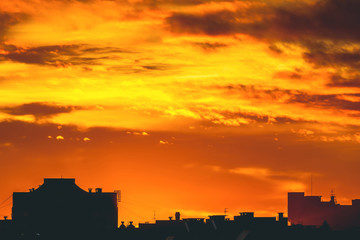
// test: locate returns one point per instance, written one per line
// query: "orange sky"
(184, 105)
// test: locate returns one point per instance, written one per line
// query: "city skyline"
(187, 106)
(57, 199)
(59, 209)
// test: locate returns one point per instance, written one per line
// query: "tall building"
(310, 210)
(59, 204)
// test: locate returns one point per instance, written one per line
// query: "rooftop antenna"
(154, 215)
(310, 184)
(332, 197)
(225, 211)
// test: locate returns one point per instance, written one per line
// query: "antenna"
(225, 211)
(154, 215)
(310, 184)
(332, 197)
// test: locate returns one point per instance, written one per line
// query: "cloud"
(7, 20)
(339, 81)
(216, 23)
(210, 46)
(239, 118)
(326, 30)
(325, 55)
(254, 172)
(327, 19)
(269, 174)
(46, 55)
(252, 91)
(160, 3)
(57, 55)
(39, 109)
(288, 107)
(154, 67)
(288, 75)
(285, 180)
(325, 101)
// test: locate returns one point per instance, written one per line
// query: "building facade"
(59, 204)
(310, 210)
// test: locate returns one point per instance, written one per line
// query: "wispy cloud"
(40, 109)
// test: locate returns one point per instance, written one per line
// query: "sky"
(183, 105)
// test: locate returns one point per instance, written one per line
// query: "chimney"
(98, 190)
(281, 216)
(177, 216)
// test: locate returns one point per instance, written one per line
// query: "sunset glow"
(183, 105)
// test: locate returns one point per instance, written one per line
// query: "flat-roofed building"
(60, 204)
(311, 211)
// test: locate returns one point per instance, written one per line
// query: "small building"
(59, 204)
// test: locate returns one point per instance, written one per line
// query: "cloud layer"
(39, 109)
(222, 96)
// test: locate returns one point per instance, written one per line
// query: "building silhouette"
(244, 226)
(59, 205)
(59, 209)
(310, 210)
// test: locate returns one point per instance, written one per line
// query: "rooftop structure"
(310, 210)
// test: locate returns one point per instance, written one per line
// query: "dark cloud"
(326, 19)
(326, 101)
(40, 109)
(159, 3)
(251, 91)
(210, 46)
(47, 55)
(83, 1)
(275, 49)
(325, 28)
(156, 66)
(57, 55)
(156, 3)
(7, 20)
(146, 67)
(259, 118)
(105, 50)
(331, 56)
(339, 81)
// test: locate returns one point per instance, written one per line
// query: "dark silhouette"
(59, 209)
(59, 206)
(310, 210)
